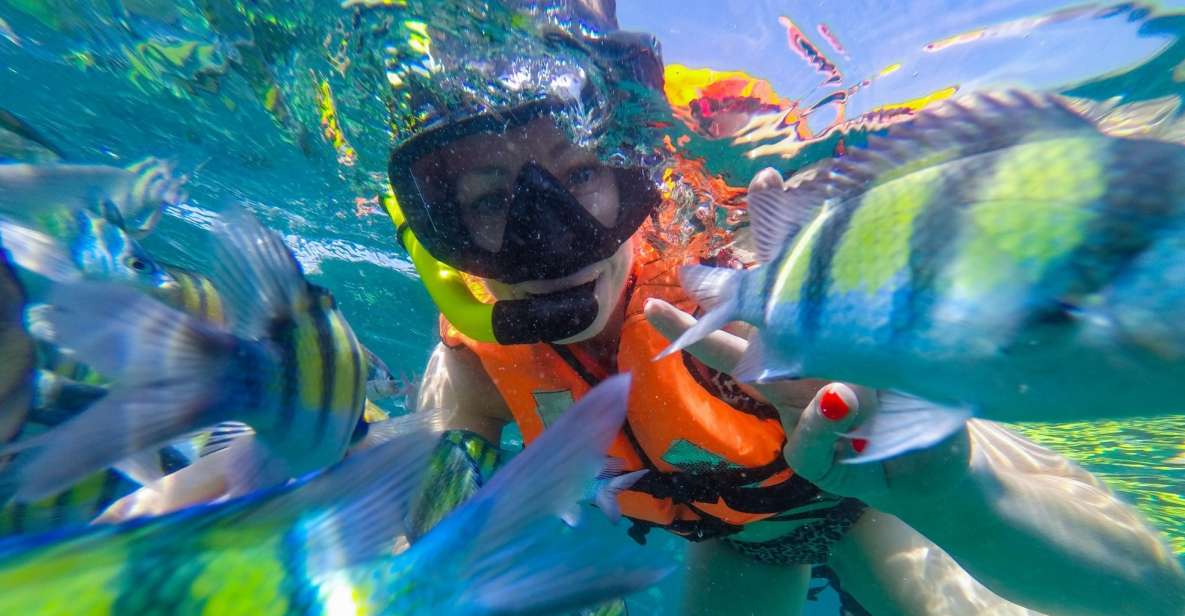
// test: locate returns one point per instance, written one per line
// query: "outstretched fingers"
(816, 444)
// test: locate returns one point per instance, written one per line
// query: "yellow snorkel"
(446, 287)
(523, 321)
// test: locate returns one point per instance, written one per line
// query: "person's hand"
(817, 415)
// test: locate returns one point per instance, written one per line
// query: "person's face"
(484, 168)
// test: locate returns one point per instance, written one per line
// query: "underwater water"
(278, 105)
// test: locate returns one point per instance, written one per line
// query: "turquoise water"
(232, 92)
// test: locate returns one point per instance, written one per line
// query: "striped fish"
(104, 251)
(283, 551)
(131, 198)
(58, 393)
(997, 255)
(290, 367)
(18, 394)
(193, 294)
(205, 479)
(57, 400)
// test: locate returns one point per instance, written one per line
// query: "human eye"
(583, 175)
(488, 204)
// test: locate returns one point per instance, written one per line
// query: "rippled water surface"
(280, 105)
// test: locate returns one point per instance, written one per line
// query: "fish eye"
(138, 264)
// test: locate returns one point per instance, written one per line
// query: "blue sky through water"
(747, 35)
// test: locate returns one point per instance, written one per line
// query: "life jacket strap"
(703, 529)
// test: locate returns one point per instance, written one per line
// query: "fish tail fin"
(517, 556)
(170, 373)
(717, 290)
(607, 497)
(903, 423)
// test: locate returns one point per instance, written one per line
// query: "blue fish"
(327, 543)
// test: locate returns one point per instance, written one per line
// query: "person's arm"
(1031, 526)
(1042, 531)
(455, 382)
(892, 570)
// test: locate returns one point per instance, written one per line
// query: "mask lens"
(513, 201)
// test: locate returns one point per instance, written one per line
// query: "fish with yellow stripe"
(335, 542)
(47, 398)
(289, 366)
(193, 294)
(998, 255)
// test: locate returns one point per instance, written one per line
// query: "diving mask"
(524, 223)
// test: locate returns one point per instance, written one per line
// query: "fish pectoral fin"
(371, 494)
(757, 365)
(606, 499)
(904, 423)
(723, 313)
(519, 557)
(251, 465)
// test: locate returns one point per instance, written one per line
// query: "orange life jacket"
(713, 467)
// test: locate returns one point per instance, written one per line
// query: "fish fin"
(776, 215)
(710, 286)
(37, 252)
(757, 365)
(371, 413)
(613, 467)
(903, 423)
(521, 559)
(170, 371)
(221, 436)
(258, 276)
(360, 508)
(143, 467)
(118, 425)
(573, 515)
(607, 496)
(381, 432)
(60, 398)
(130, 337)
(954, 128)
(251, 465)
(350, 513)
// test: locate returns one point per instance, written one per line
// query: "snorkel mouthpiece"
(545, 318)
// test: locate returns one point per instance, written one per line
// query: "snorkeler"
(522, 170)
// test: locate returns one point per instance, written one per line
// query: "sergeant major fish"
(22, 388)
(206, 479)
(325, 544)
(290, 368)
(132, 197)
(997, 255)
